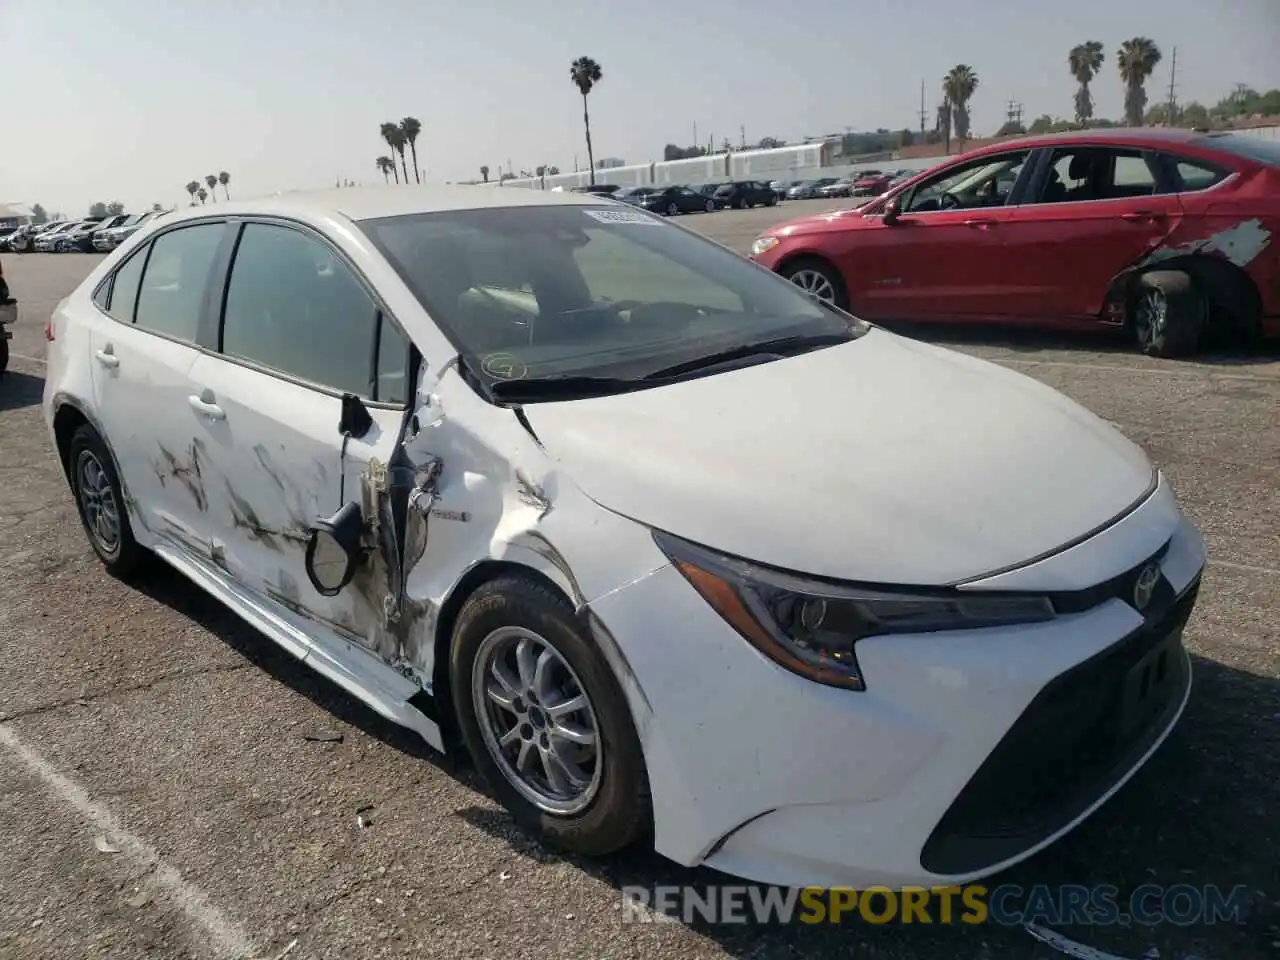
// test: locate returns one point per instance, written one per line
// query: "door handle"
(980, 222)
(205, 406)
(1141, 216)
(107, 357)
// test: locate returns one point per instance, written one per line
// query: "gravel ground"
(160, 795)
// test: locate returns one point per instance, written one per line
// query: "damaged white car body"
(549, 561)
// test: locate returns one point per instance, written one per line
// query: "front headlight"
(811, 627)
(763, 244)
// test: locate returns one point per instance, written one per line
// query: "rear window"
(1250, 148)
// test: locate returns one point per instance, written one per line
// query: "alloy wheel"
(98, 502)
(537, 721)
(815, 283)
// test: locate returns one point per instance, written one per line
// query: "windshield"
(587, 291)
(1250, 148)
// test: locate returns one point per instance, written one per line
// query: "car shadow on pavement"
(20, 390)
(1031, 340)
(1200, 813)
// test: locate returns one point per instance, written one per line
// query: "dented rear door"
(1063, 249)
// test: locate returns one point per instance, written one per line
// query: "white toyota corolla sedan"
(667, 545)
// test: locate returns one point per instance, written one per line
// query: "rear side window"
(1194, 175)
(124, 288)
(293, 306)
(171, 294)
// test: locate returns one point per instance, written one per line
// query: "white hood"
(883, 460)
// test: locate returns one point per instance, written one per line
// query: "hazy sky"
(131, 99)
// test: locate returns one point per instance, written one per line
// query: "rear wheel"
(709, 206)
(1167, 314)
(100, 502)
(818, 278)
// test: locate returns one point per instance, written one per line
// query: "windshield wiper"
(566, 387)
(783, 346)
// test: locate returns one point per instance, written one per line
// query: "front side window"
(293, 306)
(590, 292)
(171, 294)
(983, 183)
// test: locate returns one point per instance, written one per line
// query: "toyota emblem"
(1145, 586)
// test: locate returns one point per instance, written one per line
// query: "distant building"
(13, 215)
(609, 163)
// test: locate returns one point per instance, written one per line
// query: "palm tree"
(958, 86)
(394, 137)
(1137, 59)
(410, 127)
(585, 74)
(1084, 61)
(387, 166)
(943, 123)
(484, 172)
(212, 181)
(203, 194)
(192, 187)
(224, 178)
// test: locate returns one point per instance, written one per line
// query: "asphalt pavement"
(172, 785)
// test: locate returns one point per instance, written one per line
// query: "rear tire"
(819, 278)
(601, 802)
(709, 206)
(101, 504)
(1167, 314)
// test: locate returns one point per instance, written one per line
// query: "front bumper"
(762, 774)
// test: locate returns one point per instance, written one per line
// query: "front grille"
(1080, 735)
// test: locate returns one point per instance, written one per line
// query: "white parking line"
(23, 356)
(225, 937)
(1200, 372)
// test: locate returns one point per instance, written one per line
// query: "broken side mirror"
(892, 211)
(334, 550)
(355, 419)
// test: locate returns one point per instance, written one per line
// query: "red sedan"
(1165, 233)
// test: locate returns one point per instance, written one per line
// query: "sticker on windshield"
(620, 216)
(503, 366)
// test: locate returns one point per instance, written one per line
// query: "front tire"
(709, 206)
(672, 209)
(818, 278)
(101, 504)
(1167, 314)
(545, 719)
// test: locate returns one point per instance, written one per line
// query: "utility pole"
(695, 133)
(1013, 112)
(743, 132)
(923, 112)
(1172, 109)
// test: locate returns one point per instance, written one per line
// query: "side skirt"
(342, 661)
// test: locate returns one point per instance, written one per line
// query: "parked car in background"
(81, 238)
(674, 200)
(530, 529)
(47, 240)
(1164, 233)
(5, 234)
(22, 240)
(8, 317)
(808, 189)
(109, 238)
(743, 194)
(842, 187)
(870, 183)
(635, 195)
(780, 187)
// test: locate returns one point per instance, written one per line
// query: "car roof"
(367, 203)
(1136, 136)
